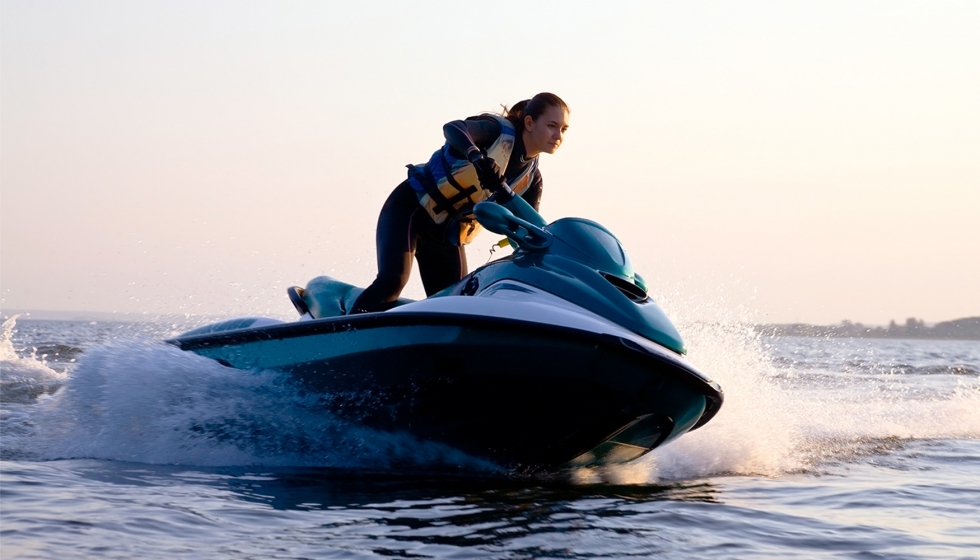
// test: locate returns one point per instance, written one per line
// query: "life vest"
(448, 186)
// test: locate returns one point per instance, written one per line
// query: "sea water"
(116, 445)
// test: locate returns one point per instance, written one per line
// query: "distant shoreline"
(959, 329)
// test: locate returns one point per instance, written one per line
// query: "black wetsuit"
(406, 230)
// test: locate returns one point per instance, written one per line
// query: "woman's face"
(546, 133)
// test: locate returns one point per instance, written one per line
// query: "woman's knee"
(391, 281)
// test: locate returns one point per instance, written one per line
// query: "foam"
(781, 420)
(23, 379)
(146, 401)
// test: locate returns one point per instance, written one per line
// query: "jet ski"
(552, 357)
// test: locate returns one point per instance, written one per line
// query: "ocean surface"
(116, 445)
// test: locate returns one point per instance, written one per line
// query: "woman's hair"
(534, 108)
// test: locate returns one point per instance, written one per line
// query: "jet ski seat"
(325, 297)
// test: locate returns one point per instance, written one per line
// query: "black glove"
(489, 173)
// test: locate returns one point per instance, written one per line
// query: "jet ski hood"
(592, 244)
(577, 260)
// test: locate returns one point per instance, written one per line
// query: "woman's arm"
(533, 193)
(474, 133)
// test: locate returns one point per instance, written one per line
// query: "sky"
(770, 161)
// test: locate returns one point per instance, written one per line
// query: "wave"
(24, 379)
(149, 402)
(781, 417)
(875, 367)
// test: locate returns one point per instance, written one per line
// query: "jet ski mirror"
(522, 233)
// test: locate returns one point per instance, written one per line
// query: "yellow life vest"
(448, 186)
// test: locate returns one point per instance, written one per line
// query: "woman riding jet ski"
(552, 357)
(429, 215)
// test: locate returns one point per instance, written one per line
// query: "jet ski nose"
(633, 440)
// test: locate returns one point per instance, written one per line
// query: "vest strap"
(442, 203)
(463, 193)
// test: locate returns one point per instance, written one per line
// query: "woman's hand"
(489, 173)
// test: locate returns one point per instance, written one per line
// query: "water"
(115, 445)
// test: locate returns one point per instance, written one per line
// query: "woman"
(429, 215)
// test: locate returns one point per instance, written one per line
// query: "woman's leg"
(396, 239)
(440, 264)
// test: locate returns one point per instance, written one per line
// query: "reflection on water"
(417, 515)
(325, 488)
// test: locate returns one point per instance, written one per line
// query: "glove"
(489, 173)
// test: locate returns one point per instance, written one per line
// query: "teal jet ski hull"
(552, 357)
(522, 394)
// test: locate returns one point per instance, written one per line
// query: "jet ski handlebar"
(524, 234)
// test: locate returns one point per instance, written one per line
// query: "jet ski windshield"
(598, 245)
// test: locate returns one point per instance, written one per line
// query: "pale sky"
(777, 161)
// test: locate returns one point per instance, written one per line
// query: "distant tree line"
(959, 329)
